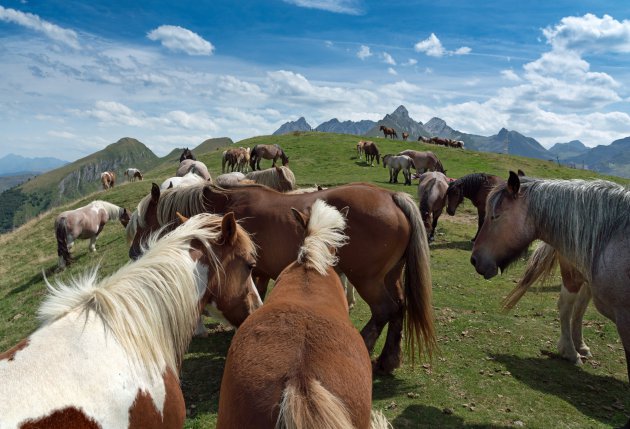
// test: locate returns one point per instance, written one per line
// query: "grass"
(494, 369)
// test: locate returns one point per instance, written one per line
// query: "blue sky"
(78, 75)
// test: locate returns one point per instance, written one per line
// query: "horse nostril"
(473, 261)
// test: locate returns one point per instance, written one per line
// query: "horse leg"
(391, 356)
(396, 171)
(579, 308)
(93, 243)
(622, 320)
(566, 348)
(348, 289)
(436, 216)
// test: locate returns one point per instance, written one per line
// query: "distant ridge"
(289, 127)
(13, 164)
(568, 150)
(346, 127)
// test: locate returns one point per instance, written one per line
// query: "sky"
(78, 75)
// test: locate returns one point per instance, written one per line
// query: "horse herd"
(436, 140)
(296, 361)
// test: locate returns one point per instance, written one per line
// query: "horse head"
(454, 197)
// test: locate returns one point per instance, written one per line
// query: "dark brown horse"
(387, 131)
(371, 151)
(475, 187)
(187, 154)
(312, 369)
(267, 151)
(386, 237)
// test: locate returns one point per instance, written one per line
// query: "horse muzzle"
(484, 267)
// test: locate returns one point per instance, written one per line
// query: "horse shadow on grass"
(460, 245)
(422, 416)
(596, 396)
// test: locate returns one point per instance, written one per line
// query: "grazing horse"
(108, 353)
(235, 159)
(586, 222)
(267, 151)
(197, 167)
(424, 139)
(371, 151)
(388, 132)
(132, 174)
(432, 196)
(405, 136)
(312, 369)
(187, 154)
(424, 161)
(187, 179)
(85, 222)
(360, 145)
(279, 178)
(575, 295)
(108, 179)
(386, 238)
(397, 163)
(475, 187)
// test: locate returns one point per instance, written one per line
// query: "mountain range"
(610, 159)
(13, 164)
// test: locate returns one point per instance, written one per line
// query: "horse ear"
(170, 185)
(513, 184)
(155, 192)
(521, 173)
(228, 229)
(344, 212)
(300, 217)
(319, 187)
(181, 217)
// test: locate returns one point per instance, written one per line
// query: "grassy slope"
(493, 368)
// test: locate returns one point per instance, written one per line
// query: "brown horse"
(432, 196)
(267, 151)
(360, 145)
(424, 161)
(475, 187)
(196, 167)
(187, 154)
(371, 151)
(235, 159)
(587, 222)
(388, 132)
(312, 369)
(386, 237)
(108, 179)
(405, 136)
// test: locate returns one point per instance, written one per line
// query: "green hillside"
(494, 369)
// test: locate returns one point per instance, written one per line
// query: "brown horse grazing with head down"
(387, 131)
(279, 178)
(386, 238)
(371, 151)
(475, 187)
(267, 151)
(360, 145)
(432, 196)
(587, 222)
(187, 154)
(312, 369)
(424, 161)
(405, 136)
(108, 179)
(108, 353)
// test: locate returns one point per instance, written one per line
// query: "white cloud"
(411, 62)
(350, 7)
(233, 85)
(34, 22)
(62, 134)
(464, 50)
(364, 52)
(430, 46)
(590, 34)
(388, 59)
(391, 71)
(510, 75)
(180, 39)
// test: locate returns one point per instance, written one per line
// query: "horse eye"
(494, 217)
(251, 266)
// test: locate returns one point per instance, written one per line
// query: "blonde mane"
(272, 178)
(149, 305)
(113, 211)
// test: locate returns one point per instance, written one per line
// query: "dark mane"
(471, 183)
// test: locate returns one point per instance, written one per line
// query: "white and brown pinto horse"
(386, 238)
(108, 353)
(108, 179)
(587, 222)
(197, 167)
(432, 190)
(397, 163)
(266, 151)
(85, 222)
(311, 368)
(132, 174)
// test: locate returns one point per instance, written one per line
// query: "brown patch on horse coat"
(144, 414)
(10, 354)
(69, 417)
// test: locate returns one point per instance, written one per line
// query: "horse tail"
(379, 421)
(438, 166)
(62, 240)
(418, 289)
(308, 404)
(424, 198)
(223, 161)
(539, 267)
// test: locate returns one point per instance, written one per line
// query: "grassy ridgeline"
(493, 368)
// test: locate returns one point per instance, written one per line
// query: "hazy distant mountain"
(346, 127)
(516, 144)
(611, 159)
(400, 120)
(568, 150)
(438, 127)
(12, 164)
(289, 127)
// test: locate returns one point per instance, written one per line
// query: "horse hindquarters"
(62, 243)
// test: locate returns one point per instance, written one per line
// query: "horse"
(575, 294)
(587, 222)
(132, 174)
(85, 222)
(475, 187)
(388, 132)
(424, 161)
(187, 154)
(234, 158)
(279, 178)
(397, 163)
(424, 139)
(108, 179)
(405, 136)
(432, 190)
(360, 146)
(267, 151)
(305, 315)
(386, 238)
(108, 353)
(197, 167)
(242, 162)
(187, 179)
(227, 180)
(371, 151)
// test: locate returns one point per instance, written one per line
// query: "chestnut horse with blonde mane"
(311, 367)
(108, 353)
(108, 179)
(386, 235)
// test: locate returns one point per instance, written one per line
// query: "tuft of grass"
(493, 368)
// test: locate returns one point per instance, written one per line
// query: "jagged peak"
(401, 111)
